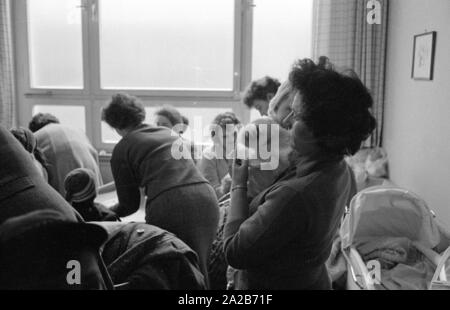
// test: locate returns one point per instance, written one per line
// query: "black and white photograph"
(224, 151)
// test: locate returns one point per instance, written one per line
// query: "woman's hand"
(240, 172)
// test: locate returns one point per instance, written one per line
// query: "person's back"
(153, 162)
(65, 150)
(179, 199)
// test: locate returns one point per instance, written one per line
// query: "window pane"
(55, 44)
(199, 121)
(282, 33)
(167, 44)
(72, 116)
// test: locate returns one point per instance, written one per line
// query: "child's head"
(80, 186)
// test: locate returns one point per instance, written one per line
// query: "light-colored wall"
(417, 118)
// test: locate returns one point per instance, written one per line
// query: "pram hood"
(389, 212)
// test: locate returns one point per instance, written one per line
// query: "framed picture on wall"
(423, 56)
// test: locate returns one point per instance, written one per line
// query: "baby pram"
(381, 215)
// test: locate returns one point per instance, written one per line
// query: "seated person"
(216, 159)
(282, 239)
(29, 142)
(169, 117)
(40, 231)
(65, 149)
(259, 93)
(144, 257)
(276, 140)
(81, 192)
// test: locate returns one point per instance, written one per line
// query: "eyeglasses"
(288, 121)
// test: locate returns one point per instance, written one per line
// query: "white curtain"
(7, 80)
(342, 32)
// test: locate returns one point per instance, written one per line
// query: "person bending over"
(65, 149)
(179, 199)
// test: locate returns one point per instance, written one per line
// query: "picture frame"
(423, 56)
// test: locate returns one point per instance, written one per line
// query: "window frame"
(91, 58)
(92, 97)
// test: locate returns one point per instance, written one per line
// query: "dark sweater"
(143, 158)
(285, 243)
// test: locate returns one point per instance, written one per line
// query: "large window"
(70, 115)
(198, 55)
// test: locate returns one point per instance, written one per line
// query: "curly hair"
(224, 119)
(336, 107)
(124, 111)
(41, 120)
(259, 89)
(172, 114)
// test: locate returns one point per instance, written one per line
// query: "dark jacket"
(22, 188)
(95, 212)
(143, 158)
(285, 243)
(147, 257)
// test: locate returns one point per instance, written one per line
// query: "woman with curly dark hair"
(284, 237)
(169, 117)
(179, 199)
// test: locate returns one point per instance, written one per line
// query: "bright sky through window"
(167, 44)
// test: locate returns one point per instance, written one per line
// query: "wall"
(417, 124)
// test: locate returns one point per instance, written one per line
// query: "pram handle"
(345, 253)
